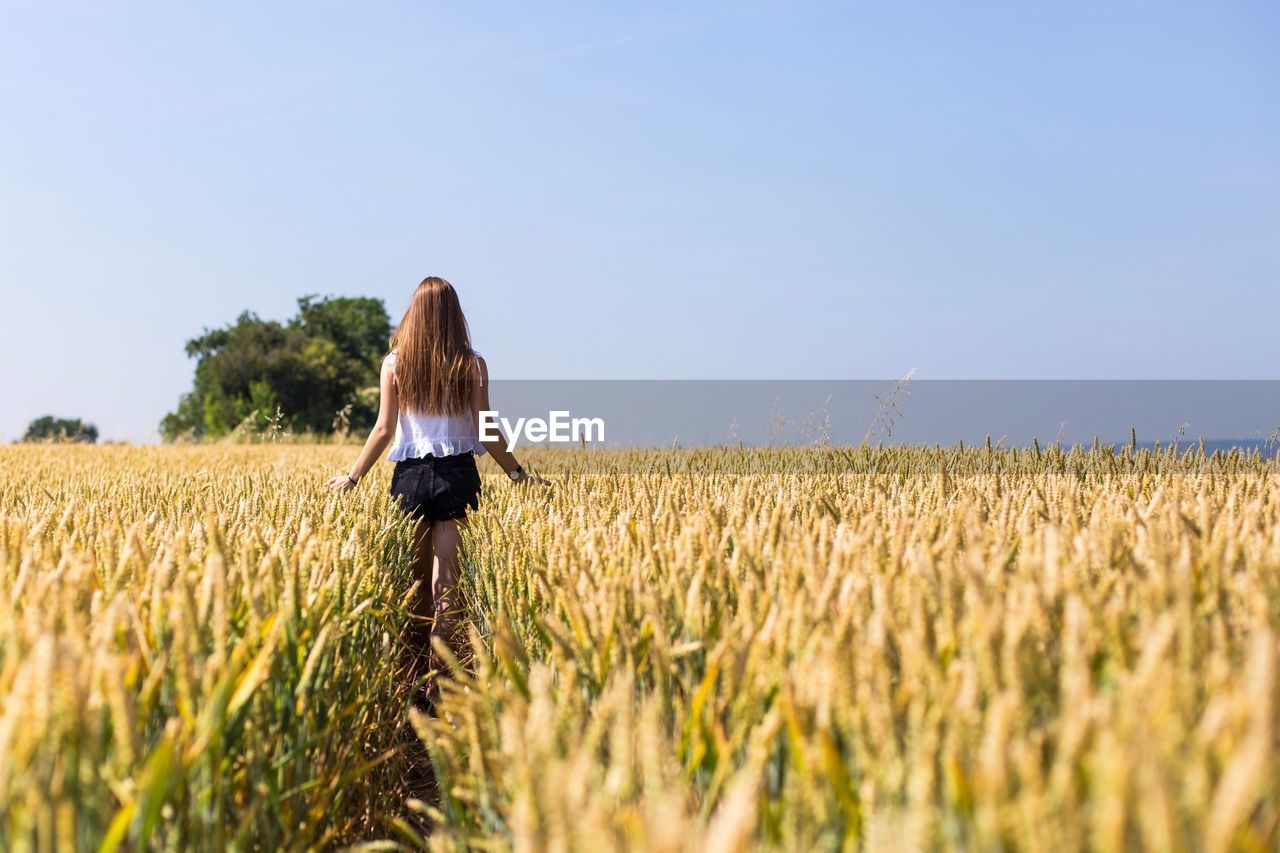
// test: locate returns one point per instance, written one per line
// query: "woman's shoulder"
(390, 358)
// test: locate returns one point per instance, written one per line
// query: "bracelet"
(353, 480)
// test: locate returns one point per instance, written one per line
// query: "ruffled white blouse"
(419, 435)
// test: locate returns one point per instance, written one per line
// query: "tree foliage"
(49, 428)
(257, 374)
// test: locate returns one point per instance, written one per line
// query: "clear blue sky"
(768, 190)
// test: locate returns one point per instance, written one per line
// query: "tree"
(297, 375)
(49, 428)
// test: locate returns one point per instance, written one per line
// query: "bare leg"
(449, 618)
(422, 607)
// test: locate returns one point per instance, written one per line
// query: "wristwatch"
(516, 474)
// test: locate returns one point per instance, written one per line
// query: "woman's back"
(419, 434)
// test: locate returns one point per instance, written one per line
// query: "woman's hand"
(530, 480)
(342, 483)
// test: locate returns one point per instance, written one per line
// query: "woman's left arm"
(381, 434)
(497, 449)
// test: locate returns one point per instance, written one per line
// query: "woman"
(433, 387)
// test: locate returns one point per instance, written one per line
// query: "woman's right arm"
(384, 430)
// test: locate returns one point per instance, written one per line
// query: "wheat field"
(724, 649)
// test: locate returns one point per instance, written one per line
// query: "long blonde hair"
(435, 363)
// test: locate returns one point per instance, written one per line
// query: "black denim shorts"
(436, 488)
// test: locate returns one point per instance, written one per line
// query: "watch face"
(516, 474)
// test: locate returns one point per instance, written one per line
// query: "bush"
(49, 428)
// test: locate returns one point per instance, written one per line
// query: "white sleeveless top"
(420, 435)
